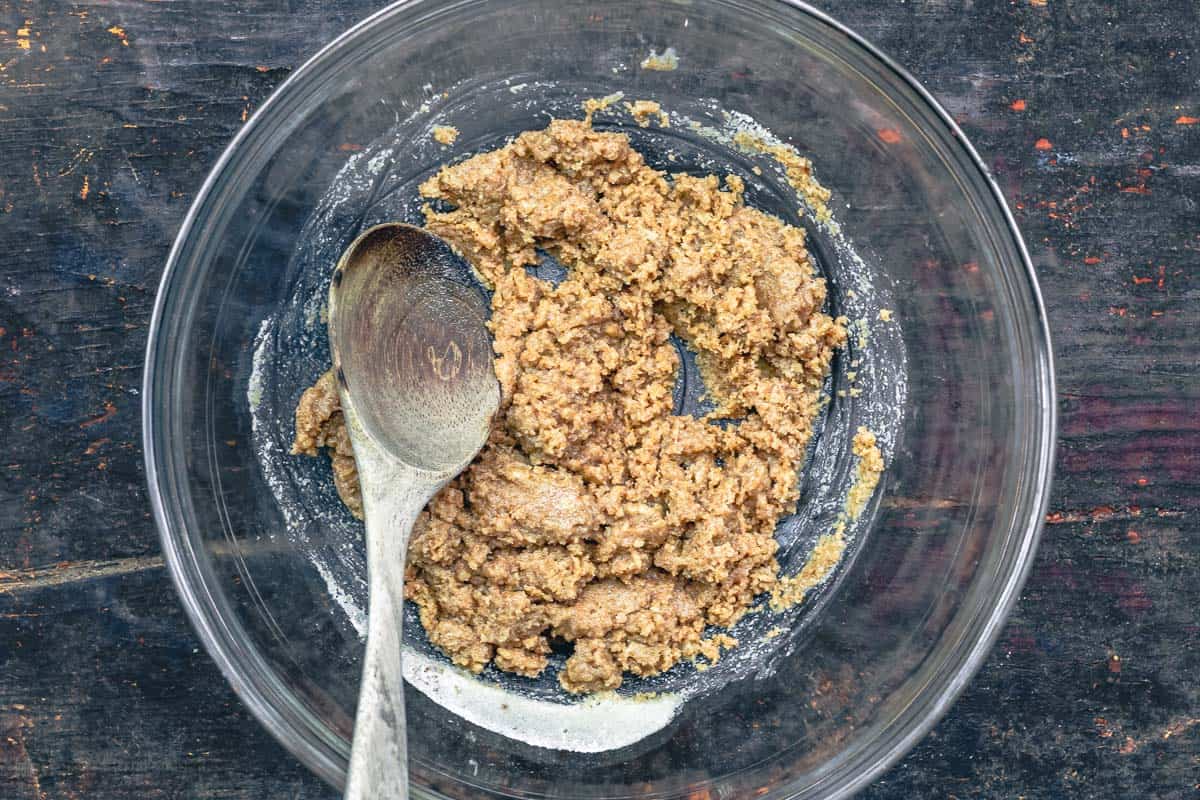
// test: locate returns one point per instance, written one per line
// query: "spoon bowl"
(407, 329)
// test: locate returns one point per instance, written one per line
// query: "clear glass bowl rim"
(293, 725)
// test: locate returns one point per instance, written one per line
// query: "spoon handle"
(379, 755)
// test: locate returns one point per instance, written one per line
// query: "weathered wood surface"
(112, 112)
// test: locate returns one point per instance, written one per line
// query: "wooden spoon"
(413, 360)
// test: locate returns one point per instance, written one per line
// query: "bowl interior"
(954, 375)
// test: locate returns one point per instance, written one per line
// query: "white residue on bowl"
(667, 62)
(596, 724)
(254, 386)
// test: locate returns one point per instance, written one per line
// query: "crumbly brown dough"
(866, 472)
(594, 514)
(319, 425)
(797, 168)
(830, 547)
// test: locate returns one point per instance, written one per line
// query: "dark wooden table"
(111, 113)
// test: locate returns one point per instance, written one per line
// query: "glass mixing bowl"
(949, 362)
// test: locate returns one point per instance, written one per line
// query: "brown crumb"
(445, 134)
(643, 110)
(594, 104)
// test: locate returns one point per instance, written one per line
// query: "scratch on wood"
(77, 572)
(932, 504)
(1097, 514)
(109, 411)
